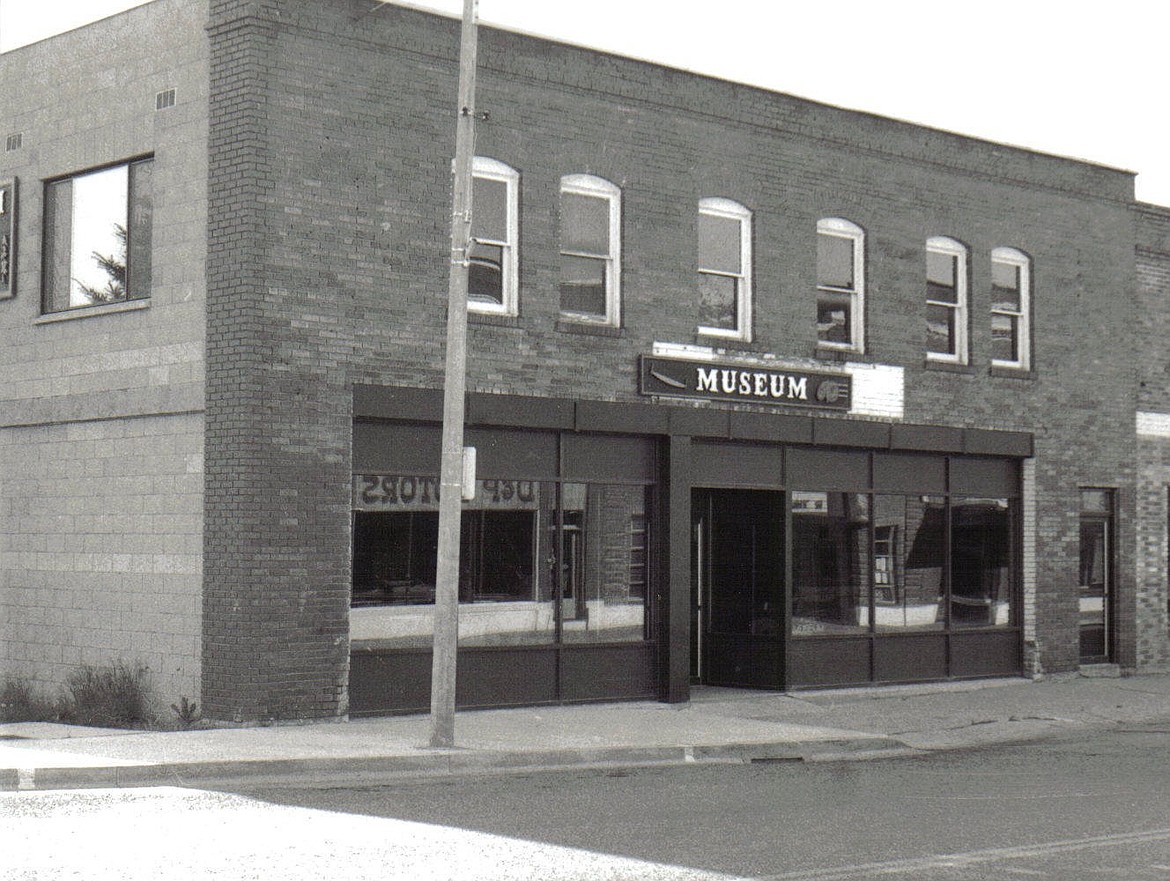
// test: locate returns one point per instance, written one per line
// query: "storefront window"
(909, 557)
(524, 567)
(981, 544)
(603, 563)
(831, 571)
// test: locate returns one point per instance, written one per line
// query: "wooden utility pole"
(446, 636)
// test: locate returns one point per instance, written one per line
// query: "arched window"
(946, 300)
(492, 278)
(725, 269)
(840, 285)
(1011, 308)
(590, 287)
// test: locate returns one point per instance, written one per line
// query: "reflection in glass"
(834, 261)
(522, 562)
(909, 555)
(603, 563)
(830, 562)
(834, 323)
(717, 301)
(582, 285)
(98, 237)
(981, 554)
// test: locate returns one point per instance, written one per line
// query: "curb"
(446, 763)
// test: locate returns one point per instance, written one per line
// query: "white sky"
(1086, 80)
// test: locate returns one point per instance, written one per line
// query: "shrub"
(114, 696)
(19, 702)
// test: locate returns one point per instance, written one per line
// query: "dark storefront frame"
(963, 490)
(943, 461)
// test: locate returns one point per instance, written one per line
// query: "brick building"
(765, 393)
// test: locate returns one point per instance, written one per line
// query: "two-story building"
(765, 393)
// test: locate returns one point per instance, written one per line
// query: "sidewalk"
(716, 725)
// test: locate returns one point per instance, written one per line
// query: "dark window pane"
(497, 556)
(981, 555)
(141, 222)
(1004, 338)
(489, 209)
(830, 562)
(834, 322)
(604, 563)
(720, 244)
(940, 329)
(583, 285)
(909, 555)
(717, 301)
(1004, 304)
(485, 274)
(834, 261)
(58, 245)
(394, 558)
(585, 224)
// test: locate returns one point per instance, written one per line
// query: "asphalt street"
(1077, 807)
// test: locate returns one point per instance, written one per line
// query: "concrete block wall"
(333, 123)
(101, 408)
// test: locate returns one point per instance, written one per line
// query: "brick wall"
(1153, 429)
(332, 132)
(100, 409)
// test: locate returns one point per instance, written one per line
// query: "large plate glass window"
(909, 562)
(840, 285)
(1011, 308)
(540, 561)
(590, 285)
(946, 300)
(831, 564)
(491, 276)
(725, 269)
(982, 531)
(98, 237)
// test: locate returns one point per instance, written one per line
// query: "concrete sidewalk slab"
(716, 725)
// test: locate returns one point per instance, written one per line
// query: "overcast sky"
(1086, 80)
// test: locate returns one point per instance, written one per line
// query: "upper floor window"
(590, 288)
(491, 275)
(97, 237)
(840, 285)
(946, 300)
(725, 269)
(1011, 307)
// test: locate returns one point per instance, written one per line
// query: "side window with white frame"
(1011, 308)
(492, 285)
(590, 285)
(946, 300)
(840, 285)
(98, 237)
(725, 269)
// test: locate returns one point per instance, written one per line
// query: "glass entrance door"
(738, 560)
(1096, 576)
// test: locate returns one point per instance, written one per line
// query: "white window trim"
(591, 185)
(726, 208)
(1019, 259)
(952, 247)
(845, 229)
(492, 169)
